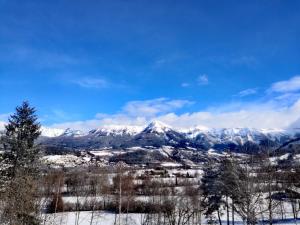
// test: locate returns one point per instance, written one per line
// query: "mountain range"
(158, 134)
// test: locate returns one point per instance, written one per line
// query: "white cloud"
(281, 110)
(150, 108)
(247, 92)
(117, 119)
(270, 114)
(133, 113)
(89, 82)
(252, 116)
(202, 79)
(291, 85)
(2, 125)
(260, 116)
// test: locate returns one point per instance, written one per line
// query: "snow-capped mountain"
(51, 132)
(116, 130)
(238, 135)
(158, 134)
(73, 133)
(157, 127)
(45, 131)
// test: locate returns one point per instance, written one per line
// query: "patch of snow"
(170, 164)
(67, 160)
(51, 132)
(167, 150)
(213, 152)
(283, 157)
(101, 153)
(73, 133)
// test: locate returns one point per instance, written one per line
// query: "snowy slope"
(73, 133)
(159, 134)
(116, 130)
(51, 132)
(157, 127)
(237, 135)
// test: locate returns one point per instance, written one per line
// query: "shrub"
(56, 204)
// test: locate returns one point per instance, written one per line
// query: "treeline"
(121, 191)
(253, 190)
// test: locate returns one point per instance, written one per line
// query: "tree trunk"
(232, 213)
(227, 210)
(120, 199)
(219, 217)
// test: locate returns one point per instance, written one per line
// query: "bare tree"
(118, 185)
(249, 193)
(212, 190)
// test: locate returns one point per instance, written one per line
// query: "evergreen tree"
(21, 132)
(20, 168)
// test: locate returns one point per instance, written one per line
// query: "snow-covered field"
(90, 218)
(106, 218)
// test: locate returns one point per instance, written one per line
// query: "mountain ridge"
(158, 134)
(156, 127)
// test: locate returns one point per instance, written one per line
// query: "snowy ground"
(106, 218)
(85, 218)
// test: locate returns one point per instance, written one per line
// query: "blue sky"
(212, 63)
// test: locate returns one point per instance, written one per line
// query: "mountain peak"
(72, 133)
(117, 130)
(157, 127)
(51, 132)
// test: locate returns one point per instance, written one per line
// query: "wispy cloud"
(42, 58)
(185, 84)
(60, 114)
(133, 113)
(154, 107)
(279, 110)
(244, 60)
(234, 60)
(258, 116)
(118, 119)
(264, 115)
(247, 92)
(161, 61)
(168, 59)
(90, 82)
(56, 115)
(202, 79)
(291, 85)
